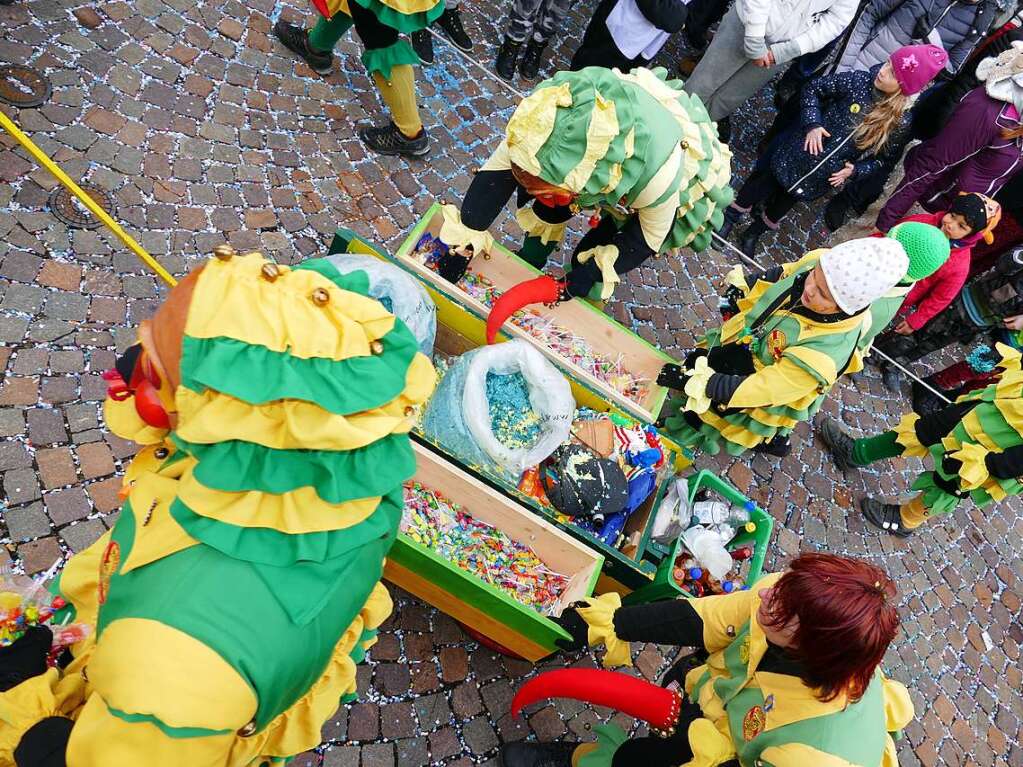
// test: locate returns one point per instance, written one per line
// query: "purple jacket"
(969, 155)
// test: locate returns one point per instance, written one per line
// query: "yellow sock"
(913, 513)
(399, 93)
(583, 750)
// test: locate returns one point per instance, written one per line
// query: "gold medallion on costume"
(776, 343)
(744, 650)
(753, 723)
(107, 567)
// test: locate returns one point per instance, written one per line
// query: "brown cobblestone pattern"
(202, 129)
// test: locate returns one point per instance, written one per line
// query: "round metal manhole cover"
(23, 86)
(66, 207)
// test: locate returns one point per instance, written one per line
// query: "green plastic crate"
(664, 585)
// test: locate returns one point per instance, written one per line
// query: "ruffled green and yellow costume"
(992, 425)
(635, 147)
(241, 585)
(796, 362)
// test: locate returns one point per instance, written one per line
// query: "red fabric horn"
(543, 289)
(635, 697)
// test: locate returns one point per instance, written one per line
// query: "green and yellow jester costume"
(634, 147)
(771, 364)
(746, 704)
(240, 585)
(975, 444)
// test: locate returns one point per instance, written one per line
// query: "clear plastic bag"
(458, 415)
(401, 294)
(673, 514)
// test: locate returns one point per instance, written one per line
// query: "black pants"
(702, 15)
(948, 327)
(762, 186)
(371, 31)
(632, 251)
(653, 751)
(599, 49)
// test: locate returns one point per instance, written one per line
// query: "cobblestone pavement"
(189, 114)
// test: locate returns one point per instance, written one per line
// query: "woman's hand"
(839, 177)
(1014, 323)
(814, 141)
(904, 329)
(766, 61)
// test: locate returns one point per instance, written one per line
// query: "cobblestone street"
(202, 128)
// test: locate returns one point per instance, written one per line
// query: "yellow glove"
(455, 234)
(599, 616)
(605, 257)
(973, 472)
(736, 278)
(696, 387)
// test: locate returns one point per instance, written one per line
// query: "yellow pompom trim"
(905, 435)
(973, 472)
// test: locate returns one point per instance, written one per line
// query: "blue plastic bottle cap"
(695, 573)
(750, 506)
(727, 586)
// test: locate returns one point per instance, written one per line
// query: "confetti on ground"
(450, 531)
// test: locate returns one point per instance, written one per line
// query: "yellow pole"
(86, 200)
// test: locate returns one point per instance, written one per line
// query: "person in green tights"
(388, 57)
(975, 443)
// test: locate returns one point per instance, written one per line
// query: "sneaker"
(451, 23)
(507, 57)
(884, 516)
(422, 44)
(839, 443)
(296, 40)
(529, 67)
(389, 140)
(891, 376)
(537, 754)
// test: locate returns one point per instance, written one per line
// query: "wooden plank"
(464, 612)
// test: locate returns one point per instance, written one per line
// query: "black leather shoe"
(778, 446)
(751, 237)
(884, 516)
(537, 754)
(732, 217)
(836, 213)
(838, 442)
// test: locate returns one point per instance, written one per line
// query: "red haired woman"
(791, 676)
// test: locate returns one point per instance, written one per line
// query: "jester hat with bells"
(284, 395)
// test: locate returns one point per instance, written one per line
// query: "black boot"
(422, 44)
(732, 217)
(451, 22)
(884, 516)
(725, 130)
(537, 754)
(529, 67)
(838, 442)
(507, 58)
(891, 377)
(750, 238)
(836, 213)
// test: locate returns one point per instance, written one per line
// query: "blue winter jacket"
(838, 103)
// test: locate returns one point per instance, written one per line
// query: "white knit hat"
(1002, 75)
(859, 272)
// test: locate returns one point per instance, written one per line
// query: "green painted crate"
(664, 585)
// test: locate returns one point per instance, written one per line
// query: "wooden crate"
(603, 333)
(467, 598)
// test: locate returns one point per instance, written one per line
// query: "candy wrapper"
(450, 531)
(24, 603)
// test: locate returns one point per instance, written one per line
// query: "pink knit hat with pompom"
(916, 65)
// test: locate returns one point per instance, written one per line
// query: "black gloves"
(25, 658)
(45, 743)
(573, 623)
(452, 267)
(672, 376)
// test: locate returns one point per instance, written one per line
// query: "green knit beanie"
(927, 247)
